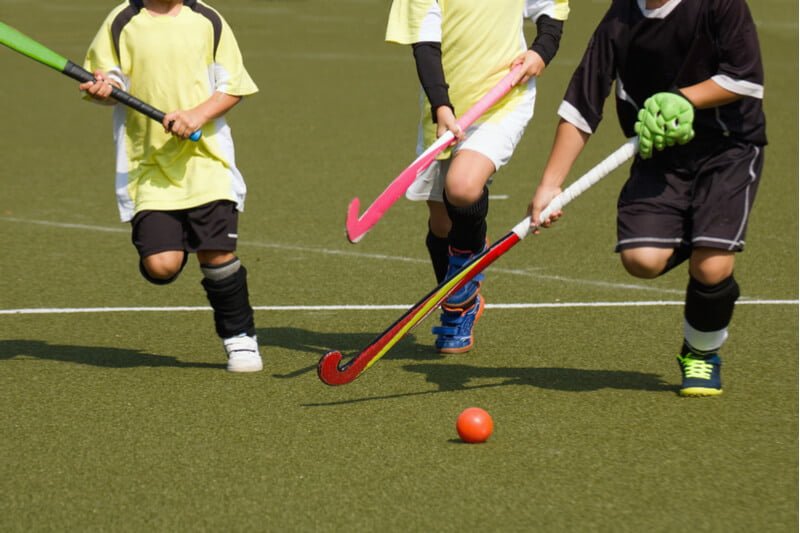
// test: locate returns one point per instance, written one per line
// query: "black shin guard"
(469, 223)
(229, 298)
(710, 307)
(437, 249)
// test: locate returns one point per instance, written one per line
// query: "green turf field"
(125, 419)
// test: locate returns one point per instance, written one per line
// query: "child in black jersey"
(689, 81)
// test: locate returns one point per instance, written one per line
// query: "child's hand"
(664, 120)
(541, 198)
(446, 121)
(100, 89)
(183, 123)
(532, 66)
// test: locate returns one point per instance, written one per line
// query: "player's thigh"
(653, 208)
(212, 227)
(724, 195)
(467, 176)
(159, 238)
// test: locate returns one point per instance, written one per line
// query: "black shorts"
(211, 226)
(690, 196)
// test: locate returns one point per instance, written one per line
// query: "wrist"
(676, 91)
(442, 113)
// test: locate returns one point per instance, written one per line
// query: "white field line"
(380, 257)
(394, 307)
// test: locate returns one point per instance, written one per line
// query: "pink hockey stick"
(358, 226)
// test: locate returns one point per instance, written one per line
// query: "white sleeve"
(431, 28)
(555, 9)
(413, 21)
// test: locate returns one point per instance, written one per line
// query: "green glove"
(664, 120)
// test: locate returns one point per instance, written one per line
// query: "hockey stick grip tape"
(78, 73)
(598, 172)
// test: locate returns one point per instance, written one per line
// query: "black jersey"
(680, 44)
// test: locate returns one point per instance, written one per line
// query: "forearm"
(567, 146)
(708, 94)
(217, 105)
(428, 58)
(548, 38)
(184, 122)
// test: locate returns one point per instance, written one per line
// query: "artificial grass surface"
(127, 420)
(590, 433)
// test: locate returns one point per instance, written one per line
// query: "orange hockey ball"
(474, 425)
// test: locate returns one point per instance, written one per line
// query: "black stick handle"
(81, 74)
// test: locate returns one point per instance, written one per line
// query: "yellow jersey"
(479, 40)
(172, 63)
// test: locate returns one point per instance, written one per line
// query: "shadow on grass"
(303, 342)
(450, 377)
(456, 377)
(92, 355)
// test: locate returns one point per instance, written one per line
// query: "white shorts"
(494, 140)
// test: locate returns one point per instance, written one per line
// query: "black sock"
(469, 223)
(437, 249)
(230, 300)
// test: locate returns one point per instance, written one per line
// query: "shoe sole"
(249, 367)
(468, 347)
(698, 392)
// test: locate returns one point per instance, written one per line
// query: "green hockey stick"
(26, 46)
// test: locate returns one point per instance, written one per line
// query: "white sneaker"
(242, 353)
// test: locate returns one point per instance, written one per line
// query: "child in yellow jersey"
(180, 196)
(462, 48)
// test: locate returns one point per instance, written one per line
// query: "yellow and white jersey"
(479, 40)
(172, 63)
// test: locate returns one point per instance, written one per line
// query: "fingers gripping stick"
(598, 172)
(330, 370)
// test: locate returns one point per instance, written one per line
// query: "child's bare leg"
(646, 262)
(711, 295)
(467, 177)
(710, 266)
(164, 266)
(466, 201)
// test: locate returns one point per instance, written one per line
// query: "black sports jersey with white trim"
(681, 44)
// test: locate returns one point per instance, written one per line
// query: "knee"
(162, 268)
(711, 276)
(711, 267)
(646, 263)
(462, 193)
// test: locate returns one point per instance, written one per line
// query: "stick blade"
(354, 230)
(328, 369)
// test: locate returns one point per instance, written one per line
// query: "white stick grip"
(598, 172)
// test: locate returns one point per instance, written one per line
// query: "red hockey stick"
(329, 369)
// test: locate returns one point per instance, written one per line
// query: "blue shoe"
(701, 375)
(455, 333)
(463, 296)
